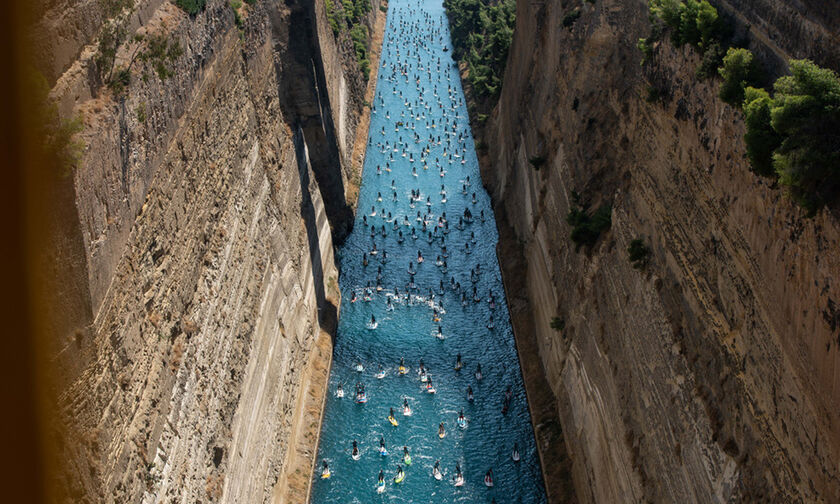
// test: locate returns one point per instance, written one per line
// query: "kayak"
(325, 474)
(399, 477)
(393, 421)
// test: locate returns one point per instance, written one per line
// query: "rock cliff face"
(198, 237)
(714, 375)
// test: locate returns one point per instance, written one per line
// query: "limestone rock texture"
(714, 374)
(191, 353)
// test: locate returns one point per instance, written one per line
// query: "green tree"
(191, 7)
(739, 70)
(708, 23)
(669, 11)
(760, 138)
(806, 112)
(689, 31)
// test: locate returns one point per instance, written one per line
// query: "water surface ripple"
(419, 141)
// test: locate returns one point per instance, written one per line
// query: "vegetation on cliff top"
(791, 136)
(58, 136)
(482, 31)
(348, 15)
(805, 113)
(158, 51)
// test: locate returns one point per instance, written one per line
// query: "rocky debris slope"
(714, 374)
(204, 253)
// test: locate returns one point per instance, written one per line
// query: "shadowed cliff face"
(714, 375)
(193, 337)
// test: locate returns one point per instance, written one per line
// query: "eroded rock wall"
(196, 370)
(714, 375)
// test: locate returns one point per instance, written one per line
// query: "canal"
(421, 195)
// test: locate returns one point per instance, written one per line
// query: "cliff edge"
(713, 375)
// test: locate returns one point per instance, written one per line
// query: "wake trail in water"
(424, 324)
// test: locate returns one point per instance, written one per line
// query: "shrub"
(570, 18)
(191, 7)
(760, 138)
(335, 18)
(806, 113)
(359, 36)
(482, 31)
(712, 57)
(708, 23)
(161, 52)
(646, 47)
(587, 229)
(557, 323)
(141, 112)
(688, 31)
(653, 94)
(120, 80)
(235, 5)
(739, 70)
(691, 22)
(638, 253)
(114, 7)
(58, 136)
(111, 36)
(537, 162)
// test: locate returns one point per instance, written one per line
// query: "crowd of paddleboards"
(428, 138)
(360, 396)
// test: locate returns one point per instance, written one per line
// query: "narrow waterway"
(421, 194)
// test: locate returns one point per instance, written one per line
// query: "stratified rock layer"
(190, 362)
(714, 375)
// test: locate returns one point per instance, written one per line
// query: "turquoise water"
(415, 37)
